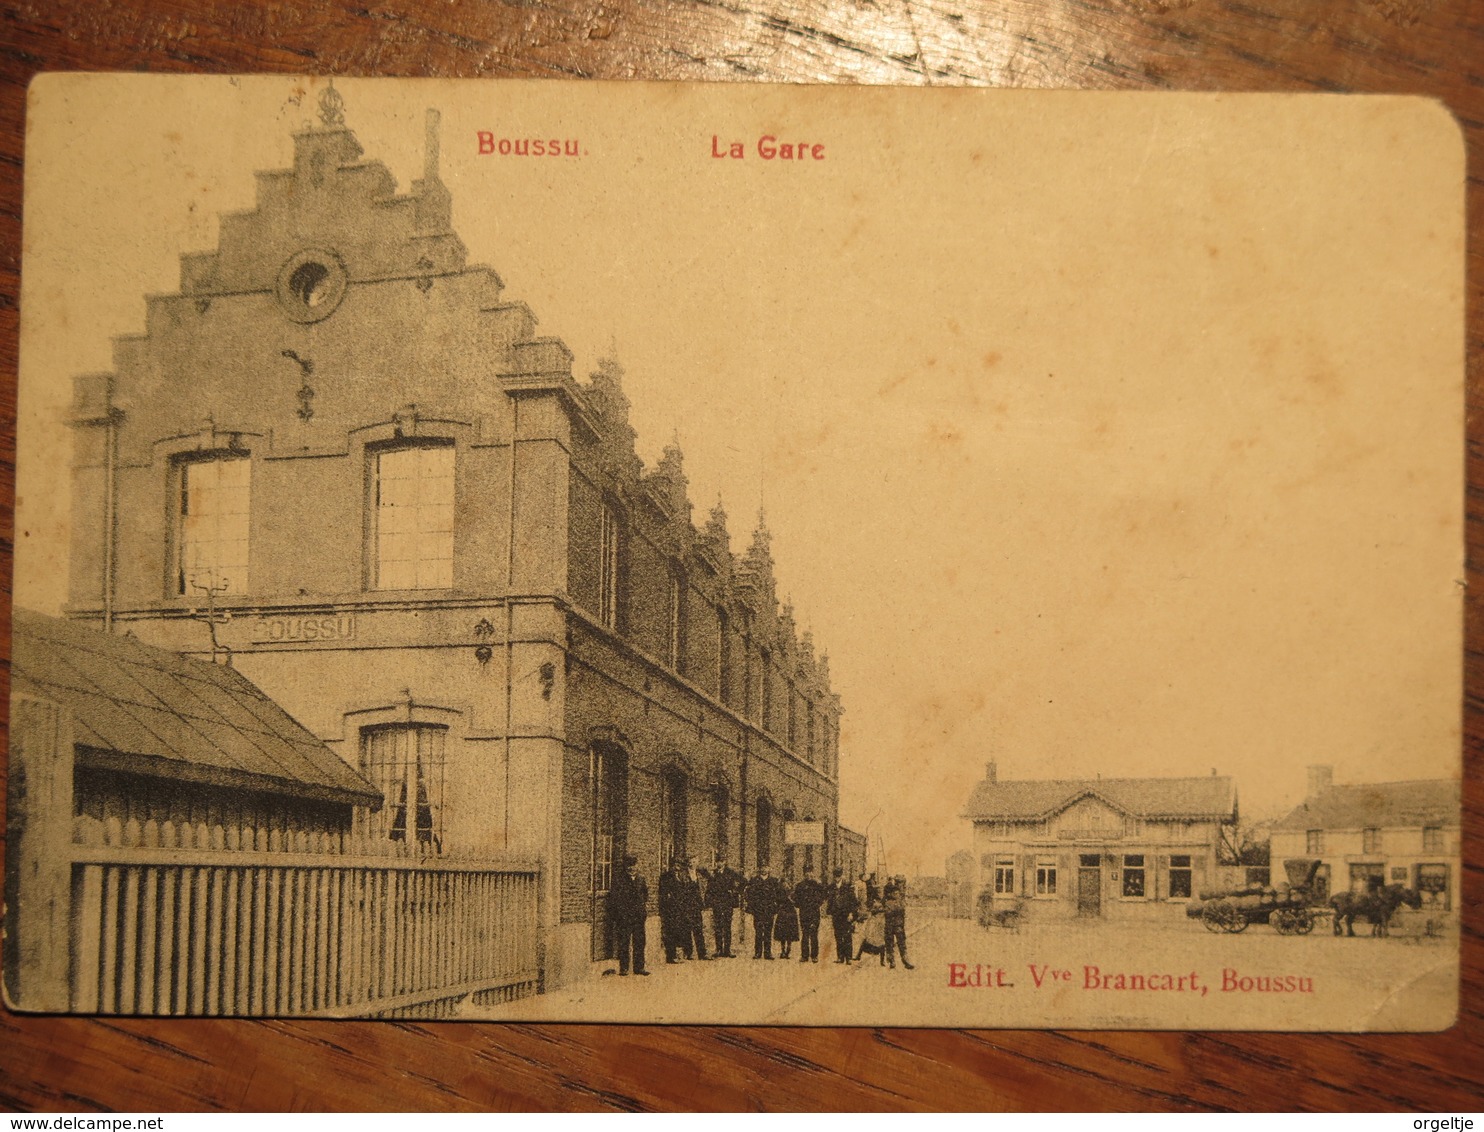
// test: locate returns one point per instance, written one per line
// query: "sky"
(1096, 433)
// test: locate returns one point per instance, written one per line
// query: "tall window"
(723, 806)
(765, 663)
(608, 535)
(809, 731)
(673, 817)
(1432, 839)
(610, 789)
(1314, 842)
(793, 716)
(675, 612)
(610, 808)
(723, 658)
(1180, 876)
(1133, 874)
(764, 833)
(1004, 876)
(1370, 841)
(212, 525)
(406, 762)
(1046, 876)
(747, 700)
(414, 517)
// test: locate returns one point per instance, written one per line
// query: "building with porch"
(342, 459)
(1101, 847)
(1369, 834)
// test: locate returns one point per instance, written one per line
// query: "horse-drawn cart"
(1289, 907)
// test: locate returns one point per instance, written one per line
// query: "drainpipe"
(742, 830)
(110, 515)
(510, 610)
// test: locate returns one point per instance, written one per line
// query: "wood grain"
(1431, 47)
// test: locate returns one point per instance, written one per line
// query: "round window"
(311, 285)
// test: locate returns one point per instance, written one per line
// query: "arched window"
(721, 813)
(610, 818)
(211, 523)
(406, 761)
(674, 816)
(764, 823)
(412, 509)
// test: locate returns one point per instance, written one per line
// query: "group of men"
(777, 913)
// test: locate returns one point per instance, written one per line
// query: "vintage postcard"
(736, 554)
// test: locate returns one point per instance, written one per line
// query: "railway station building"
(340, 458)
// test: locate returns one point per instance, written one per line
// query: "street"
(1168, 973)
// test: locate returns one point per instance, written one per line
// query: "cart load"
(1286, 905)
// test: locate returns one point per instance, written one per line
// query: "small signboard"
(803, 833)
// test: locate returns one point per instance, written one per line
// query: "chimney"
(991, 771)
(1321, 778)
(430, 147)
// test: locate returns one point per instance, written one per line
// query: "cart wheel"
(1235, 921)
(1303, 921)
(1213, 919)
(1283, 920)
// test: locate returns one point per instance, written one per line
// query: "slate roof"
(148, 711)
(1375, 805)
(1205, 797)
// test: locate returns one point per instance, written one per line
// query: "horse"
(1377, 907)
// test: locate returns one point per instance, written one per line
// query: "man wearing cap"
(843, 905)
(692, 900)
(809, 896)
(628, 903)
(894, 901)
(680, 911)
(723, 894)
(764, 895)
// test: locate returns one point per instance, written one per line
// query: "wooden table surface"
(1432, 47)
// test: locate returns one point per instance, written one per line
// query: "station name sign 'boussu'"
(328, 627)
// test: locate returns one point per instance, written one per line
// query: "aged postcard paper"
(734, 554)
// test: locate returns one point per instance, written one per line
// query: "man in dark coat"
(680, 911)
(627, 905)
(894, 901)
(723, 894)
(764, 894)
(809, 896)
(843, 906)
(692, 901)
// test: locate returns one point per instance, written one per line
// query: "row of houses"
(1126, 847)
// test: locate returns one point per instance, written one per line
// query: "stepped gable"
(330, 234)
(349, 205)
(715, 543)
(754, 574)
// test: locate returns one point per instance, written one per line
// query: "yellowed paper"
(1010, 541)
